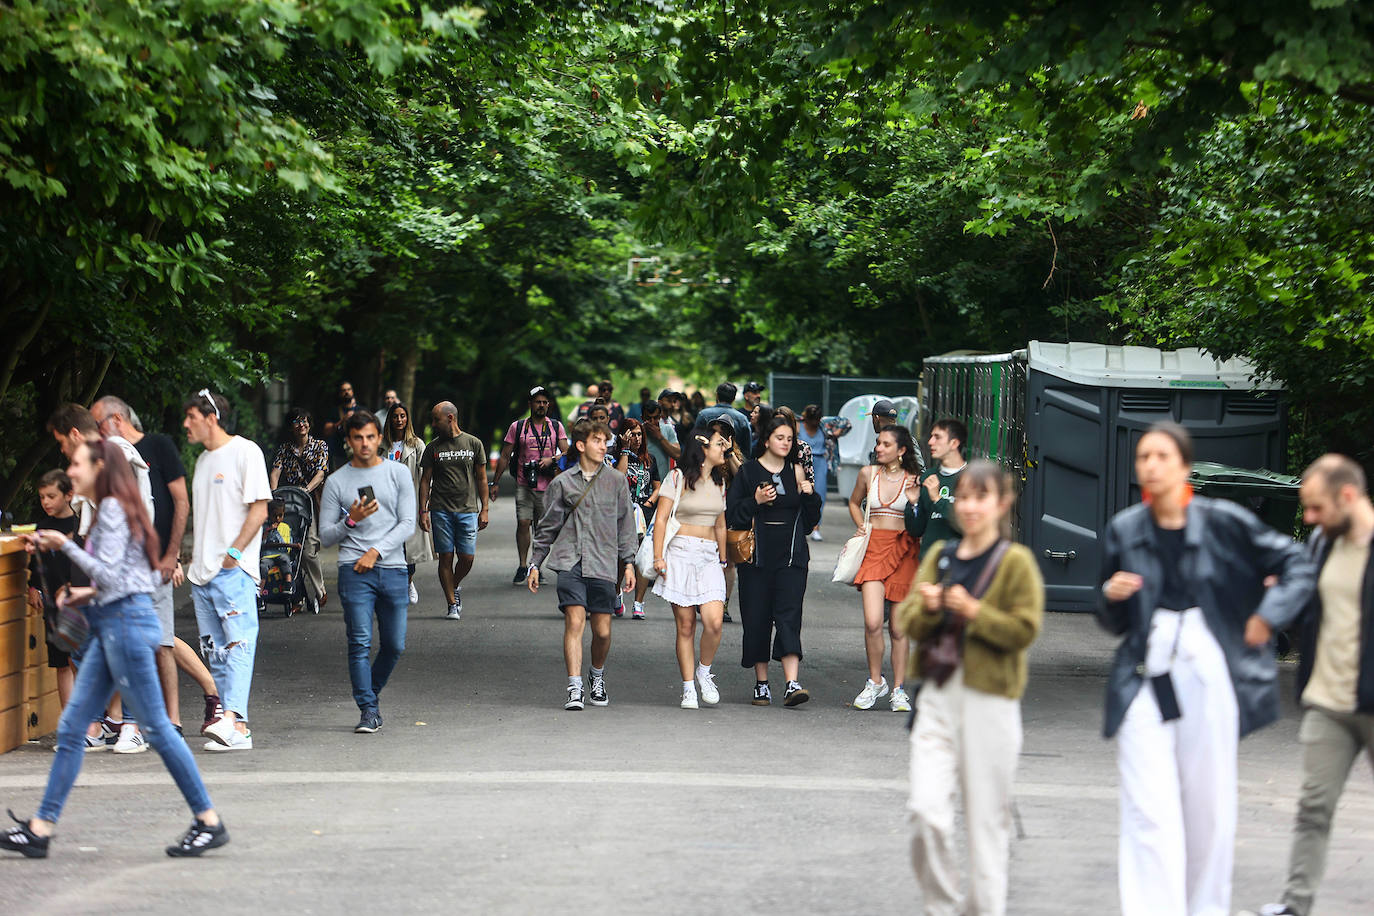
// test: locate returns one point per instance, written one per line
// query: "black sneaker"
(598, 692)
(180, 734)
(574, 697)
(795, 695)
(762, 695)
(198, 839)
(369, 723)
(22, 839)
(521, 574)
(727, 618)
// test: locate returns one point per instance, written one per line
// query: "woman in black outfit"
(771, 494)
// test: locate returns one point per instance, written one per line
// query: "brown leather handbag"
(941, 652)
(739, 546)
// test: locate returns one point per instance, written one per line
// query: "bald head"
(1334, 497)
(445, 418)
(1337, 472)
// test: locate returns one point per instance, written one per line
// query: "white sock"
(598, 673)
(575, 680)
(703, 671)
(689, 687)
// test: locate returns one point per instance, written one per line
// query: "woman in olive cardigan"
(968, 729)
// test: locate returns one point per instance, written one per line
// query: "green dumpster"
(1271, 496)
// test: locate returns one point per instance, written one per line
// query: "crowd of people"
(690, 502)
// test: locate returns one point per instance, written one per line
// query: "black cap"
(537, 390)
(751, 387)
(883, 408)
(668, 393)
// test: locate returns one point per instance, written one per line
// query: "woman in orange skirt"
(889, 564)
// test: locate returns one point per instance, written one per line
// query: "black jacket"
(1310, 624)
(1227, 553)
(780, 528)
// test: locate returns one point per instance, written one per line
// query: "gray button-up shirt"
(600, 534)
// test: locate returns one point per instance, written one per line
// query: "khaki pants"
(1330, 743)
(310, 564)
(965, 741)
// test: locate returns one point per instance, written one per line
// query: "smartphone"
(1165, 698)
(366, 494)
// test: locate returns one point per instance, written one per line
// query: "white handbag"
(852, 554)
(644, 556)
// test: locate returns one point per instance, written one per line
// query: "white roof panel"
(1143, 367)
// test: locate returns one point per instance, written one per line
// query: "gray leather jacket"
(1227, 553)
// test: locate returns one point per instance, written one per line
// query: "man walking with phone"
(368, 509)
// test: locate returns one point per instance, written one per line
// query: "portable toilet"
(1087, 405)
(909, 415)
(856, 445)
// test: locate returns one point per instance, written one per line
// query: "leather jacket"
(1227, 554)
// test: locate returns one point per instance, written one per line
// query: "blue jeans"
(385, 592)
(120, 655)
(227, 616)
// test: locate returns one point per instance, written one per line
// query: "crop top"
(699, 506)
(895, 508)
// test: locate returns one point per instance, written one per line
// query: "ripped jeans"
(227, 615)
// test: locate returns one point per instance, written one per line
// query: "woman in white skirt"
(691, 566)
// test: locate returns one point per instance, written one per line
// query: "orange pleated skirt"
(890, 559)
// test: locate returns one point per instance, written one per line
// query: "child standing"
(50, 570)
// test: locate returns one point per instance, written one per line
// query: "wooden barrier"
(29, 707)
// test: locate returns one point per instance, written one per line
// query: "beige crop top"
(699, 506)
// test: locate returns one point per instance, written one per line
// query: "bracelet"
(349, 523)
(235, 553)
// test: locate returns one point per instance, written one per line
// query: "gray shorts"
(529, 505)
(163, 603)
(575, 590)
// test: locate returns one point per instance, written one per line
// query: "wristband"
(349, 523)
(235, 553)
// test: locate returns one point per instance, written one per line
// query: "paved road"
(482, 795)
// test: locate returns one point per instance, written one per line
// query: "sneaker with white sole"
(94, 743)
(638, 612)
(816, 535)
(707, 684)
(871, 694)
(455, 611)
(370, 723)
(131, 740)
(597, 694)
(689, 698)
(221, 731)
(900, 702)
(239, 742)
(414, 595)
(575, 698)
(795, 695)
(762, 695)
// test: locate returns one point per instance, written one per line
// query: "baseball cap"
(668, 393)
(884, 408)
(752, 387)
(537, 390)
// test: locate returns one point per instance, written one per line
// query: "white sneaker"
(689, 698)
(709, 694)
(414, 595)
(900, 702)
(221, 731)
(871, 694)
(816, 535)
(131, 740)
(239, 742)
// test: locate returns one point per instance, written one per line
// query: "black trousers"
(770, 605)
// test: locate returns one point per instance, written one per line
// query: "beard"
(1338, 528)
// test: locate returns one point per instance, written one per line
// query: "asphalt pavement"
(482, 795)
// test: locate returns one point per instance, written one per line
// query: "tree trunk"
(21, 343)
(405, 385)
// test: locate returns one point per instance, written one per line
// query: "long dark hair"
(629, 425)
(765, 417)
(116, 478)
(902, 436)
(694, 457)
(774, 424)
(407, 435)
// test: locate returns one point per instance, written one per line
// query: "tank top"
(699, 506)
(886, 506)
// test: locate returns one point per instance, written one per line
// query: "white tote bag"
(644, 556)
(852, 554)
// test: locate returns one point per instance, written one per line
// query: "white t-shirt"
(227, 481)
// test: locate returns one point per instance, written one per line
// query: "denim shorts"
(454, 530)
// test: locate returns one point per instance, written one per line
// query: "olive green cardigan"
(997, 638)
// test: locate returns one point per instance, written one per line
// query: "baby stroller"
(282, 559)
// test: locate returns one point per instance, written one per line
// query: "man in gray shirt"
(368, 509)
(587, 535)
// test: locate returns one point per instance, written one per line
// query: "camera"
(531, 471)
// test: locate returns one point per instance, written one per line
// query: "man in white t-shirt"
(229, 495)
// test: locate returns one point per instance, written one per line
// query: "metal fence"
(830, 392)
(987, 394)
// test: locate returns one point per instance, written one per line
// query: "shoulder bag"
(644, 556)
(941, 653)
(852, 554)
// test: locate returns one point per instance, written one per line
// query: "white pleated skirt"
(694, 575)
